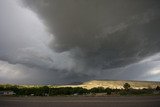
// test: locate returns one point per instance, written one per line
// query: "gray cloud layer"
(62, 41)
(102, 33)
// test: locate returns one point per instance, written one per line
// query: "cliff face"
(119, 84)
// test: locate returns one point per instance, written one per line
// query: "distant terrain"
(90, 88)
(116, 84)
(113, 84)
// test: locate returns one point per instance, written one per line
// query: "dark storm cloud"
(24, 54)
(89, 39)
(102, 33)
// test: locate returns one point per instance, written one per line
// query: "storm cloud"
(102, 33)
(63, 41)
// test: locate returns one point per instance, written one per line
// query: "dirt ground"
(80, 101)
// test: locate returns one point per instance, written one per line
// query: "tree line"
(50, 91)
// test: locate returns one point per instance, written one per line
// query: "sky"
(66, 41)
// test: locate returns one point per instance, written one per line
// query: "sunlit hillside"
(119, 84)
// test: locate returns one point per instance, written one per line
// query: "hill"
(113, 84)
(119, 84)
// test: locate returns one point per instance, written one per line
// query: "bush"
(97, 90)
(158, 88)
(126, 86)
(108, 91)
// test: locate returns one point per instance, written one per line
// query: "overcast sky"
(65, 41)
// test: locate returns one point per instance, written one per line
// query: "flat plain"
(81, 101)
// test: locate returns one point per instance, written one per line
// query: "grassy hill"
(119, 84)
(115, 84)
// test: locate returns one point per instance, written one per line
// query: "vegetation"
(158, 88)
(55, 91)
(126, 86)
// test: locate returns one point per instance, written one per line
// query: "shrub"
(126, 86)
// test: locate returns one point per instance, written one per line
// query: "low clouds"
(63, 41)
(146, 69)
